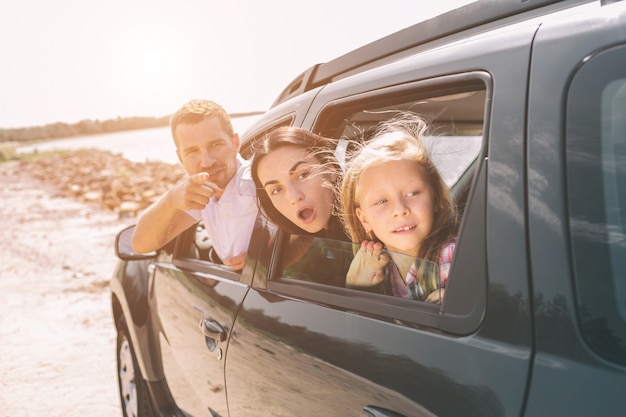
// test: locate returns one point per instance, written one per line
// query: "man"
(219, 189)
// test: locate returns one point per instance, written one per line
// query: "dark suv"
(527, 100)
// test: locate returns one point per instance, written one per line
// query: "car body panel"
(595, 386)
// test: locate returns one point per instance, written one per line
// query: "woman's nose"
(295, 195)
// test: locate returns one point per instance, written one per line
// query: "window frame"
(462, 314)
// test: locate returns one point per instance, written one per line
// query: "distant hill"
(88, 127)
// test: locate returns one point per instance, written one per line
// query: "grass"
(7, 153)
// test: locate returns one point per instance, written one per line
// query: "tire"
(134, 394)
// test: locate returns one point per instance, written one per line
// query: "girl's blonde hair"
(399, 139)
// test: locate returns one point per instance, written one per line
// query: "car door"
(577, 224)
(196, 300)
(307, 348)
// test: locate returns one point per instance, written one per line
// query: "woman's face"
(298, 187)
(396, 203)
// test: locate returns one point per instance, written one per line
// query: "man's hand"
(236, 262)
(366, 269)
(195, 192)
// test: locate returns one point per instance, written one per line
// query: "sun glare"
(152, 63)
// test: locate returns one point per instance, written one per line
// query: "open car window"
(194, 252)
(454, 111)
(197, 245)
(456, 108)
(340, 264)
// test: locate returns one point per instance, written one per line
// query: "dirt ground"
(57, 338)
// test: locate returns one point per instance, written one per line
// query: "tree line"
(84, 127)
(87, 127)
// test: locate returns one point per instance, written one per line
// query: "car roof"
(471, 15)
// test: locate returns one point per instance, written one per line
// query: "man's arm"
(166, 219)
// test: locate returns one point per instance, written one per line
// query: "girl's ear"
(363, 219)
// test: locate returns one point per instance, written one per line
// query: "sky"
(71, 60)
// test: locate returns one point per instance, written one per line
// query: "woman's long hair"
(320, 147)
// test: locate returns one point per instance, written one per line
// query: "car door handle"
(373, 411)
(211, 328)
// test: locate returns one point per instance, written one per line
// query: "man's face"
(206, 147)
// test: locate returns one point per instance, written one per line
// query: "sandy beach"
(57, 339)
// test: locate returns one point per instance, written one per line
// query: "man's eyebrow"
(188, 148)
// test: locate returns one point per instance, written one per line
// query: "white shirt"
(229, 221)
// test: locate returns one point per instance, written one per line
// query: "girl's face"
(396, 203)
(298, 187)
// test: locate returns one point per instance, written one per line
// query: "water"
(142, 145)
(451, 154)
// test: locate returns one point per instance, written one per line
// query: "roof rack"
(470, 15)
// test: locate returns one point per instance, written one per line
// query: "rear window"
(596, 174)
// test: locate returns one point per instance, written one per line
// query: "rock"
(108, 179)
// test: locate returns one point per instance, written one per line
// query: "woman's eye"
(379, 202)
(274, 190)
(302, 175)
(412, 193)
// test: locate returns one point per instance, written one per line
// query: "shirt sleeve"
(445, 260)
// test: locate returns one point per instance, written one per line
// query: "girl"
(398, 207)
(295, 172)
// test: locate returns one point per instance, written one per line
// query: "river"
(142, 145)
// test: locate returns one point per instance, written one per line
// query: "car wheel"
(133, 390)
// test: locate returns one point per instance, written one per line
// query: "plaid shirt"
(412, 289)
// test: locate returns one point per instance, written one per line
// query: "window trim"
(250, 139)
(457, 315)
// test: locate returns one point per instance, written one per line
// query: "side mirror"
(124, 248)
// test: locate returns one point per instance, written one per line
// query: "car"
(527, 100)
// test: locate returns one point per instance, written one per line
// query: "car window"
(249, 143)
(316, 268)
(455, 113)
(201, 246)
(314, 259)
(328, 261)
(596, 168)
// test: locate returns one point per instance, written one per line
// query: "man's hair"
(196, 111)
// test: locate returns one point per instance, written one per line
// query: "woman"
(295, 172)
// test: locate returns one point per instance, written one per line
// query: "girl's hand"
(367, 267)
(436, 296)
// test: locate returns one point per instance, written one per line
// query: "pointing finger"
(199, 178)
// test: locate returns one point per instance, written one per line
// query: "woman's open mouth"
(306, 214)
